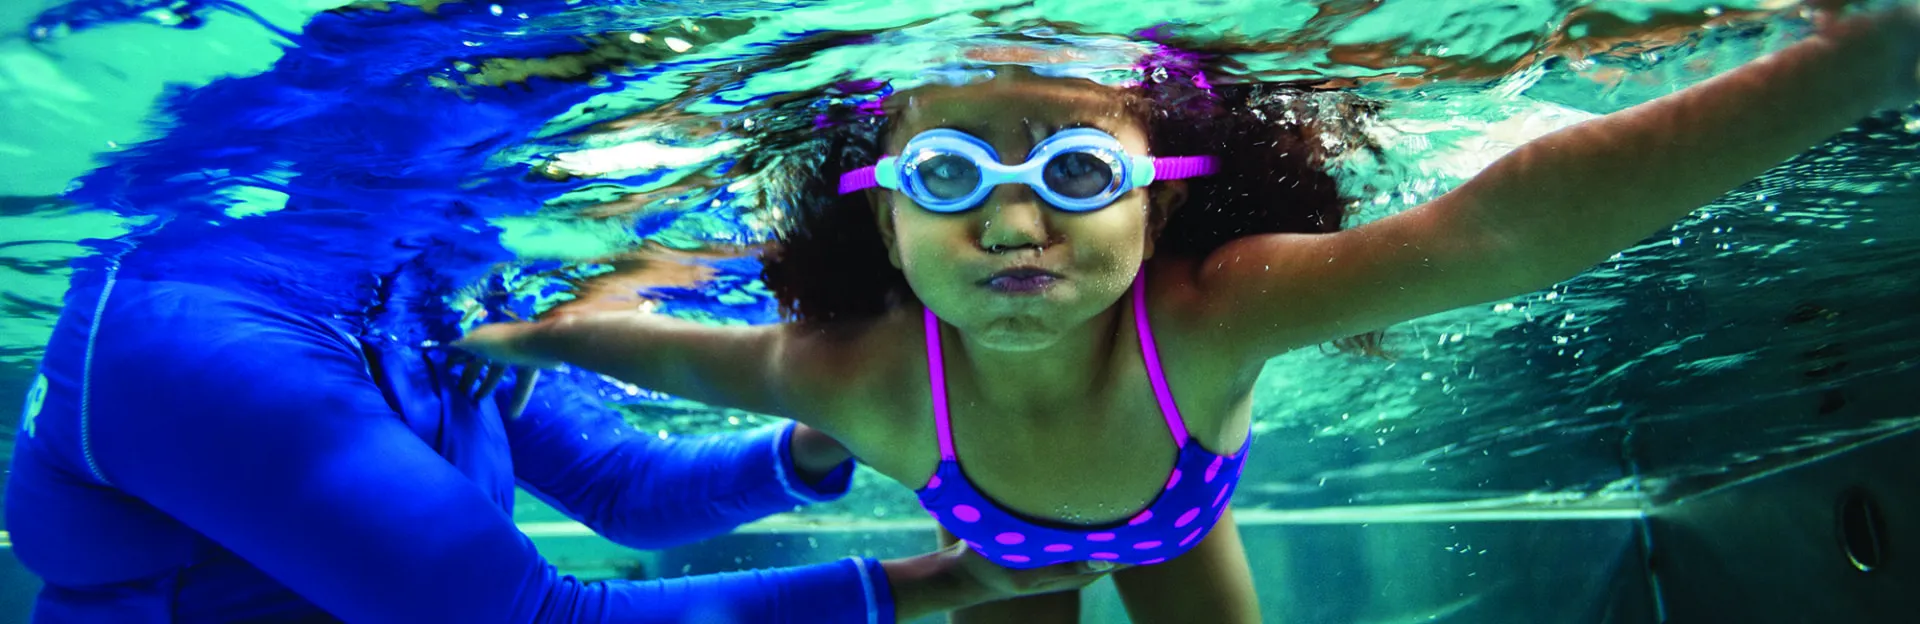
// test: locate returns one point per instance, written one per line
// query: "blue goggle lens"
(1079, 174)
(948, 177)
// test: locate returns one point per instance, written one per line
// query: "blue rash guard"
(250, 442)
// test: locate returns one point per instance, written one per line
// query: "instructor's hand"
(490, 352)
(956, 578)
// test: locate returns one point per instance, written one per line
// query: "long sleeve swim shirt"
(197, 451)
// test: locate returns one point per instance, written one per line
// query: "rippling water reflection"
(1772, 324)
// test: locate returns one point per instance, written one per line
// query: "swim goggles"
(1075, 170)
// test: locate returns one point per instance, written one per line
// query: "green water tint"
(1753, 331)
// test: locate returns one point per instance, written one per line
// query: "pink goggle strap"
(1183, 167)
(858, 180)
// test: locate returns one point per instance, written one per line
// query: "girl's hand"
(1895, 32)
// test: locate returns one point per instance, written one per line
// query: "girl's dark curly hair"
(1273, 142)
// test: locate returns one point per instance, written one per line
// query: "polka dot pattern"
(1167, 527)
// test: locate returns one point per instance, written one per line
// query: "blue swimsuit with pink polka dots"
(1195, 495)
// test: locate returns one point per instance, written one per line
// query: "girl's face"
(1014, 273)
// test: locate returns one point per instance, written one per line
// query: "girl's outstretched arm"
(1565, 201)
(799, 371)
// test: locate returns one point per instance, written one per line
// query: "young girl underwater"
(1058, 350)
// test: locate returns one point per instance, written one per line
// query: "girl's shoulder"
(869, 378)
(1199, 357)
(861, 366)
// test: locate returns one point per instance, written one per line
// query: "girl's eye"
(947, 176)
(1078, 175)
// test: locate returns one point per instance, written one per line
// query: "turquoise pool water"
(1767, 328)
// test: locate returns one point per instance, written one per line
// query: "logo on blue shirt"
(36, 396)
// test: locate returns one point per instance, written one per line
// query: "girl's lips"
(1021, 281)
(1021, 285)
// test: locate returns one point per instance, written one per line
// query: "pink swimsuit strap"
(1149, 352)
(937, 378)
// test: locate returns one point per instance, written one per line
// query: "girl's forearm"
(719, 365)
